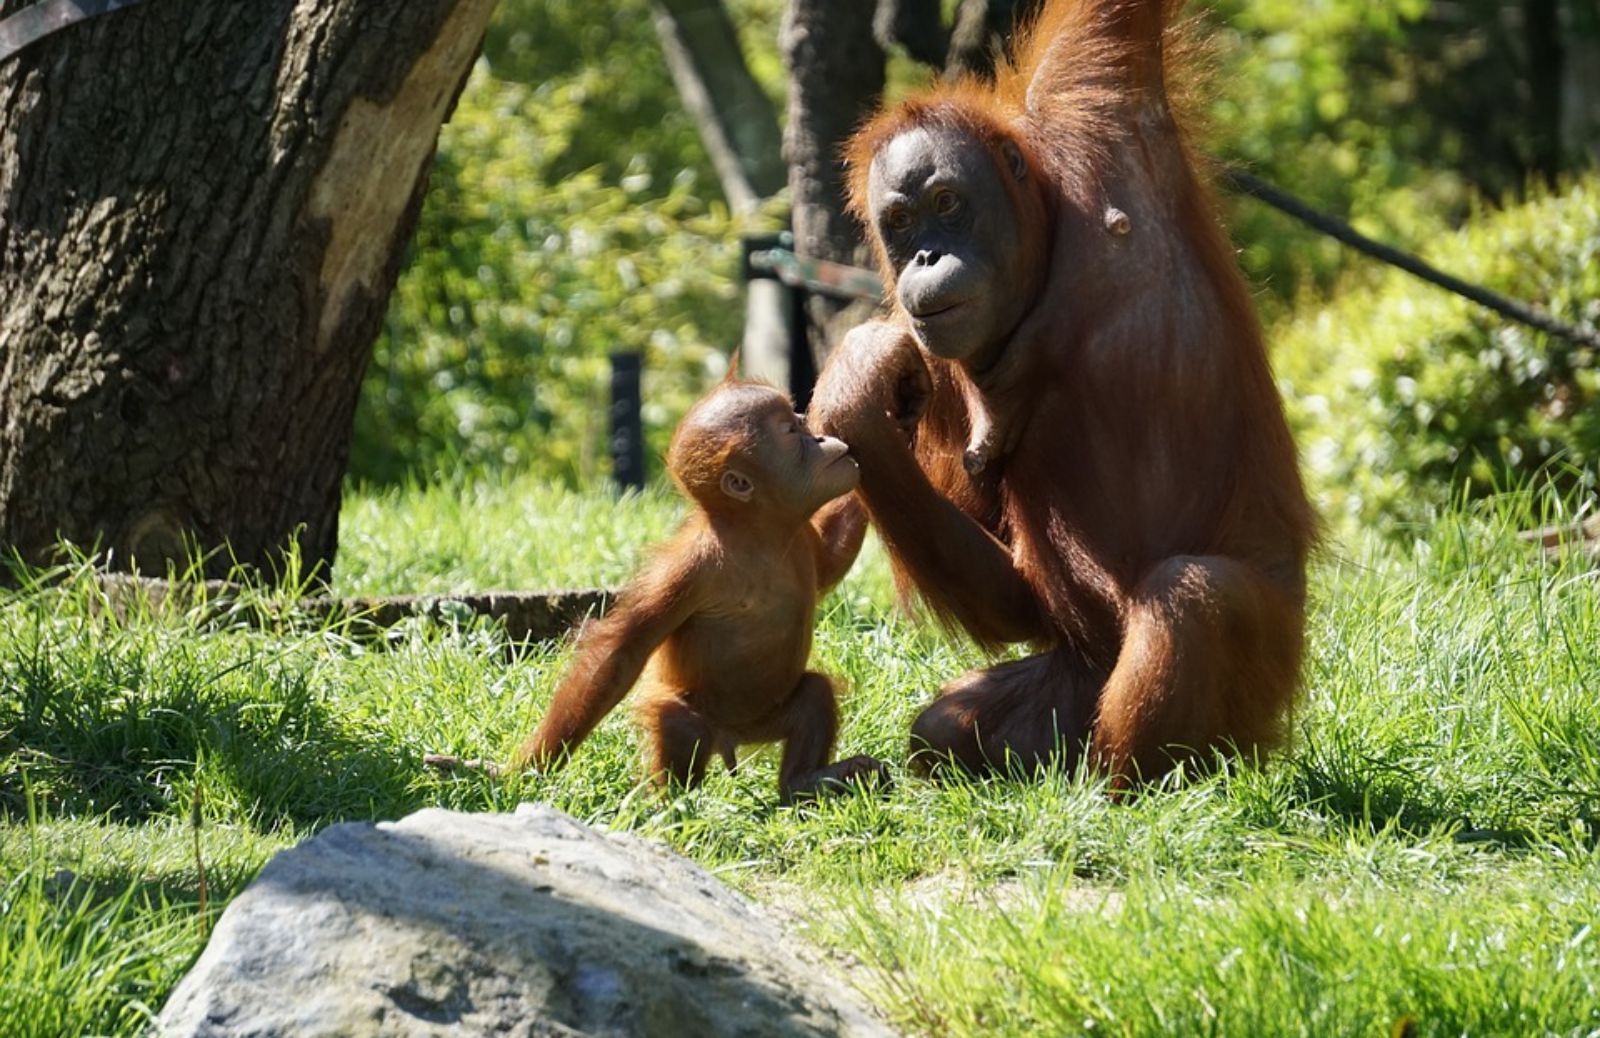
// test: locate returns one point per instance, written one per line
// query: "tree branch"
(736, 120)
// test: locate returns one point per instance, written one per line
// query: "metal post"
(627, 426)
(772, 257)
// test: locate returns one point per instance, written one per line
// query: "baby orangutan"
(716, 629)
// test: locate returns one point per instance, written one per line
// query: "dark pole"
(627, 428)
(802, 368)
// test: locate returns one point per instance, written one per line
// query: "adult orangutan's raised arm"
(870, 395)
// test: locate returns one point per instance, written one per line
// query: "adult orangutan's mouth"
(924, 315)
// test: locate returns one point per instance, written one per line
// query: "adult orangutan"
(1067, 430)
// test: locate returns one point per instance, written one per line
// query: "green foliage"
(1404, 395)
(496, 531)
(1281, 958)
(1394, 115)
(571, 214)
(73, 963)
(1302, 102)
(573, 211)
(605, 98)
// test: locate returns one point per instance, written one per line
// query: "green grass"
(1426, 849)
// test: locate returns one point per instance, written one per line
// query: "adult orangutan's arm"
(873, 389)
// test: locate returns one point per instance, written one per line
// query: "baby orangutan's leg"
(679, 741)
(807, 725)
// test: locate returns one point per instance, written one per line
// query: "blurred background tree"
(572, 212)
(575, 212)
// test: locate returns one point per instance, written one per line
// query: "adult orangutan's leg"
(1023, 715)
(1210, 660)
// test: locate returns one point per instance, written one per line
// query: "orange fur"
(1148, 528)
(715, 630)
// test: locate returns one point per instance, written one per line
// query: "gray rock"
(529, 924)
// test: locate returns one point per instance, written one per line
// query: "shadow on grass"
(148, 891)
(1372, 794)
(118, 731)
(1378, 794)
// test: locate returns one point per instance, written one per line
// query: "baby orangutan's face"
(805, 471)
(782, 465)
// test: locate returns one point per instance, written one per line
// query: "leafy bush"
(571, 213)
(1393, 115)
(1405, 395)
(1300, 97)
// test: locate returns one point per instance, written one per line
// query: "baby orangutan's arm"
(842, 525)
(612, 653)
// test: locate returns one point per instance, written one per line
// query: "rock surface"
(521, 925)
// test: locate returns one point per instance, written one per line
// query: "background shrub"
(573, 212)
(1403, 395)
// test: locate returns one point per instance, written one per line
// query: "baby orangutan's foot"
(450, 762)
(858, 772)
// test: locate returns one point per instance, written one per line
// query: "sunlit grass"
(1424, 849)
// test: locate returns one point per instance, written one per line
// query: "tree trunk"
(915, 25)
(203, 206)
(739, 128)
(1580, 91)
(1541, 29)
(836, 74)
(735, 119)
(982, 31)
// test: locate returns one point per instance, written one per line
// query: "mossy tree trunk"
(203, 206)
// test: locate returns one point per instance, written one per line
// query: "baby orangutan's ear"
(737, 485)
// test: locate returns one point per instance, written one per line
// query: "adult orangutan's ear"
(737, 485)
(1016, 162)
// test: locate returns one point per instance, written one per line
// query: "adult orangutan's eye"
(898, 219)
(946, 202)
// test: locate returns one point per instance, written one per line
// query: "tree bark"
(203, 206)
(836, 75)
(982, 30)
(1580, 89)
(1541, 28)
(915, 25)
